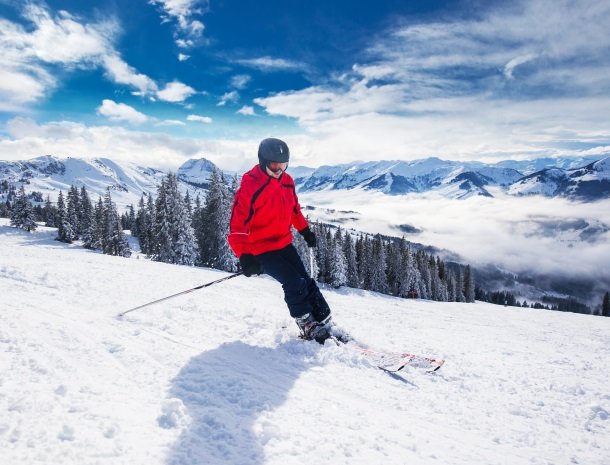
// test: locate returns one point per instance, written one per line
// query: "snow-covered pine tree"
(185, 247)
(323, 251)
(98, 226)
(162, 233)
(131, 221)
(72, 209)
(174, 237)
(152, 246)
(413, 283)
(214, 225)
(378, 277)
(364, 252)
(85, 217)
(64, 228)
(141, 228)
(395, 272)
(338, 262)
(423, 266)
(469, 288)
(349, 250)
(115, 242)
(459, 284)
(49, 213)
(22, 213)
(606, 305)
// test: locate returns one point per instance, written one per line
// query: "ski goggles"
(277, 167)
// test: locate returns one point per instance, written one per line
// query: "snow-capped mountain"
(127, 181)
(460, 179)
(451, 179)
(456, 179)
(587, 183)
(196, 172)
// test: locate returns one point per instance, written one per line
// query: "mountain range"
(577, 179)
(584, 179)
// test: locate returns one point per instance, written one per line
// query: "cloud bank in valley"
(520, 234)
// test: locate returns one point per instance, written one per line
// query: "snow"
(217, 376)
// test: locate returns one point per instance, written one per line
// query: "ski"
(391, 362)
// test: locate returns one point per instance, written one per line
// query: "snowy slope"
(213, 378)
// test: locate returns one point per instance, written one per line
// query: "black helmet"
(273, 150)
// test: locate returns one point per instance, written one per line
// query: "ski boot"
(312, 329)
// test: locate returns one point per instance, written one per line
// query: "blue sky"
(157, 82)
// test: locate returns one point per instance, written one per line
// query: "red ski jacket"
(264, 208)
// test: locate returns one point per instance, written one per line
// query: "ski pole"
(120, 315)
(311, 262)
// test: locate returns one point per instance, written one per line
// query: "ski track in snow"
(217, 376)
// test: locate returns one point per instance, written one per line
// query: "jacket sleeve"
(298, 220)
(239, 231)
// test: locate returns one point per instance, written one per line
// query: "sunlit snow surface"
(218, 377)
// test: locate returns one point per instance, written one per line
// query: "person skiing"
(264, 209)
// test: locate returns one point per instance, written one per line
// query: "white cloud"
(450, 89)
(175, 92)
(183, 57)
(121, 73)
(26, 139)
(199, 119)
(240, 81)
(182, 12)
(246, 110)
(26, 53)
(267, 63)
(520, 60)
(121, 112)
(170, 122)
(229, 97)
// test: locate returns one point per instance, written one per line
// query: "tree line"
(386, 265)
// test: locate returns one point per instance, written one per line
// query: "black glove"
(309, 237)
(250, 265)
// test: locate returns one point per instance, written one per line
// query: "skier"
(264, 209)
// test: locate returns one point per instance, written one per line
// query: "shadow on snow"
(225, 391)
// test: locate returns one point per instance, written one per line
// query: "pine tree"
(606, 305)
(98, 227)
(22, 214)
(378, 277)
(49, 213)
(72, 210)
(469, 286)
(349, 250)
(64, 228)
(213, 222)
(174, 237)
(151, 220)
(142, 229)
(115, 242)
(85, 218)
(338, 272)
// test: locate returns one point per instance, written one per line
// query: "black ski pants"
(301, 293)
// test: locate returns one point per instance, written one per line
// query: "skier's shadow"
(225, 391)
